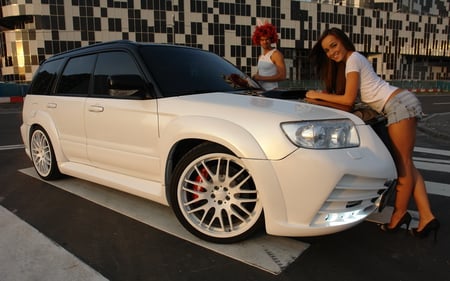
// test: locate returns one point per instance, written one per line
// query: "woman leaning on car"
(402, 110)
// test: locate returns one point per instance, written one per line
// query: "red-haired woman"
(271, 66)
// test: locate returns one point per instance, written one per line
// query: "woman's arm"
(348, 98)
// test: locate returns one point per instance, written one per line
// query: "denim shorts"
(404, 105)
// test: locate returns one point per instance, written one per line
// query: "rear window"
(76, 77)
(45, 77)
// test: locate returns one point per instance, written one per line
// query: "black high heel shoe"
(406, 219)
(433, 225)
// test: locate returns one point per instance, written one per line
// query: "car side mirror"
(127, 85)
(126, 82)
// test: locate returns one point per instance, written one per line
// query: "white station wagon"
(183, 127)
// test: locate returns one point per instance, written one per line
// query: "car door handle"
(96, 108)
(51, 105)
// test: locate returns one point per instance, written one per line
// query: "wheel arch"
(42, 120)
(187, 133)
(175, 155)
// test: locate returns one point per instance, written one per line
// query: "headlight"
(322, 134)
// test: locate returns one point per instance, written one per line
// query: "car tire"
(214, 196)
(42, 155)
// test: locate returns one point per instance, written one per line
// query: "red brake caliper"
(198, 179)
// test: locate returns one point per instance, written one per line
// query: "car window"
(182, 71)
(112, 67)
(45, 77)
(76, 76)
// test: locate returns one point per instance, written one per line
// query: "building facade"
(404, 39)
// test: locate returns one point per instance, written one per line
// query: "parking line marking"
(269, 253)
(421, 165)
(27, 254)
(12, 146)
(438, 188)
(432, 151)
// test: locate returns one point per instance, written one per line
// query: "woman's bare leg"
(422, 202)
(410, 181)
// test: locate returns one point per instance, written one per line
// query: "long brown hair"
(330, 72)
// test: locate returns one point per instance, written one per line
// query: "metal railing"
(13, 89)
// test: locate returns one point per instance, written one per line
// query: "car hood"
(259, 116)
(240, 108)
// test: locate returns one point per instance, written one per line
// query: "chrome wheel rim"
(218, 197)
(41, 153)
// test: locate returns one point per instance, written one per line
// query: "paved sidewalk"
(26, 254)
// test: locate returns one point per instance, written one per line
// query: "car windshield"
(183, 71)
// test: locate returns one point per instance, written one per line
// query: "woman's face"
(265, 42)
(334, 49)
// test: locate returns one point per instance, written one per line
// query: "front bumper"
(318, 192)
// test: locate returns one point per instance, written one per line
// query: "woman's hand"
(313, 94)
(320, 98)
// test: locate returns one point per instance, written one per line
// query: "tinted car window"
(76, 76)
(181, 71)
(45, 77)
(114, 64)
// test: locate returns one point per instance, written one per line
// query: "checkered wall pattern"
(224, 27)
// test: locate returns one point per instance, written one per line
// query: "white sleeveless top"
(267, 68)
